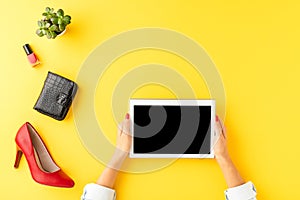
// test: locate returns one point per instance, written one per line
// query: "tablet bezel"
(176, 102)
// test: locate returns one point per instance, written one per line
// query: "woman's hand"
(109, 175)
(123, 144)
(124, 136)
(231, 174)
(220, 147)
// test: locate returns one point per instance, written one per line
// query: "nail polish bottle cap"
(27, 49)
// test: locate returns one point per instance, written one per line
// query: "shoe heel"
(18, 157)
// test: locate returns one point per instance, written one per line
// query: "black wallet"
(56, 96)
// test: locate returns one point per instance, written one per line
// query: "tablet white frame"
(177, 102)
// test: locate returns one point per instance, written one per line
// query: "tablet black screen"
(172, 129)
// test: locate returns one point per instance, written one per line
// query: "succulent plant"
(53, 23)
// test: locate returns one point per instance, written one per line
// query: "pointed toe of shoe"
(55, 179)
(63, 180)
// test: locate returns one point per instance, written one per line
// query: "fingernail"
(127, 116)
(217, 118)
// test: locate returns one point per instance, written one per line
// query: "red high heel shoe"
(42, 167)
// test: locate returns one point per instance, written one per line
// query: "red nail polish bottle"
(33, 60)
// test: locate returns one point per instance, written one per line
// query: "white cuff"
(94, 191)
(246, 191)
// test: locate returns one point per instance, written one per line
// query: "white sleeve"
(246, 191)
(94, 191)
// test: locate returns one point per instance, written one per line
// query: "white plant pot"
(62, 32)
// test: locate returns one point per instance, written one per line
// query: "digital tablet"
(172, 128)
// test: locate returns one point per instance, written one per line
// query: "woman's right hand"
(220, 147)
(231, 174)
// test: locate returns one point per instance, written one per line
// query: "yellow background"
(255, 46)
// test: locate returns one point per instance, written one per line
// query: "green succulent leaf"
(54, 20)
(48, 17)
(47, 9)
(39, 32)
(60, 12)
(44, 31)
(47, 25)
(53, 35)
(40, 24)
(60, 21)
(48, 34)
(53, 27)
(67, 19)
(61, 27)
(44, 14)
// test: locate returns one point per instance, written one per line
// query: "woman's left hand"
(124, 135)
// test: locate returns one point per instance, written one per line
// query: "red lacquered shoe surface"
(42, 167)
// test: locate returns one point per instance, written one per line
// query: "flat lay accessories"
(56, 96)
(42, 167)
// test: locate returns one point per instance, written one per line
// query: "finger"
(120, 128)
(220, 123)
(126, 127)
(217, 133)
(218, 129)
(223, 128)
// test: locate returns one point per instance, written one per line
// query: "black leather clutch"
(56, 96)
